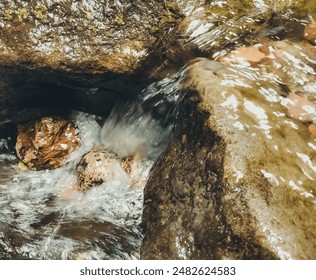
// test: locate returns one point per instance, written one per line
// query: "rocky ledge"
(83, 36)
(237, 181)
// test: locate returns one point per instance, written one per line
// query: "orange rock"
(127, 163)
(252, 54)
(310, 31)
(95, 168)
(312, 129)
(47, 143)
(300, 108)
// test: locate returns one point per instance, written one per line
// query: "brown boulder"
(238, 179)
(95, 168)
(47, 143)
(83, 36)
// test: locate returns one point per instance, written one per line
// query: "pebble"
(312, 129)
(310, 31)
(252, 54)
(300, 108)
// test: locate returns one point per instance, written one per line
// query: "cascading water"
(44, 217)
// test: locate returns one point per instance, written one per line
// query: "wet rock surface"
(59, 47)
(47, 143)
(82, 36)
(310, 31)
(234, 184)
(97, 167)
(209, 26)
(45, 217)
(78, 55)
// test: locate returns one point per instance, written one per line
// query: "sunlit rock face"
(83, 36)
(47, 143)
(238, 181)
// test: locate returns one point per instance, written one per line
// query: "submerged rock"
(251, 55)
(127, 163)
(103, 235)
(300, 108)
(310, 31)
(47, 143)
(237, 182)
(137, 168)
(210, 25)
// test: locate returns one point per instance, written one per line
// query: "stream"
(273, 98)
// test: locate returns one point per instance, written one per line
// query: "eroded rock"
(47, 143)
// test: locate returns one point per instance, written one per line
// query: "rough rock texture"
(95, 168)
(237, 182)
(50, 52)
(47, 48)
(97, 36)
(47, 143)
(136, 167)
(82, 36)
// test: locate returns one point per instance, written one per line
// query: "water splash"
(54, 221)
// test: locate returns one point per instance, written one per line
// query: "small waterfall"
(44, 217)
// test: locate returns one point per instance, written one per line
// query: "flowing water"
(43, 217)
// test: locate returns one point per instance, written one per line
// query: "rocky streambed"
(186, 132)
